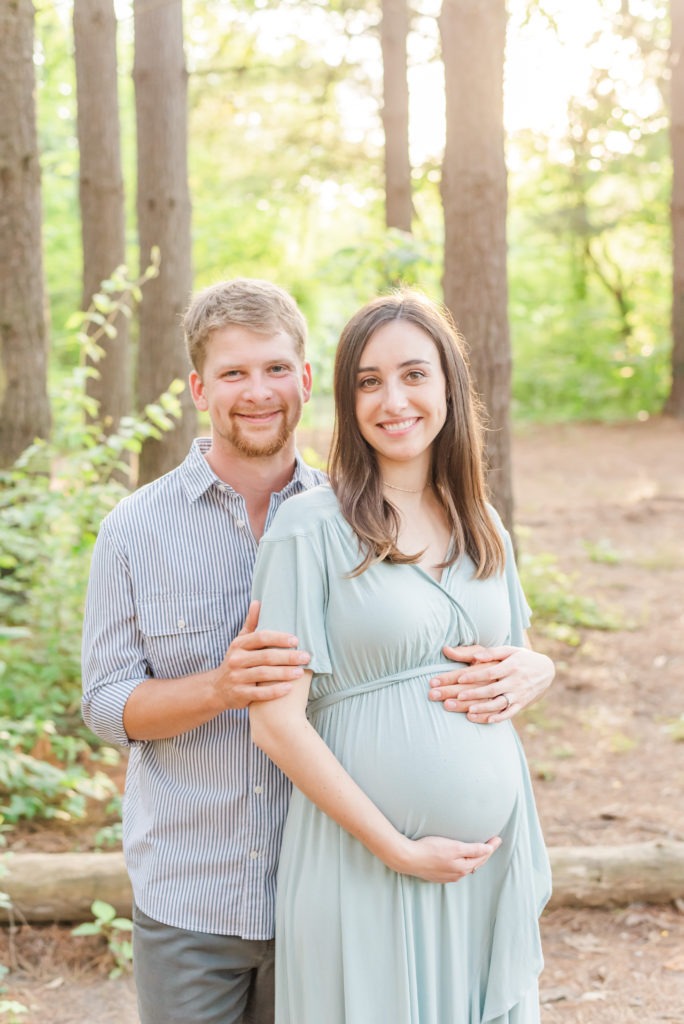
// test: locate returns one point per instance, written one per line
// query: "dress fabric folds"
(356, 942)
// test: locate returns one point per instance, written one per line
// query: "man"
(169, 668)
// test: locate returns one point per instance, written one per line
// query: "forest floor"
(606, 746)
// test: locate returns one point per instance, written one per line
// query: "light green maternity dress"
(357, 943)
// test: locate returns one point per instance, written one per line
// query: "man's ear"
(307, 382)
(197, 391)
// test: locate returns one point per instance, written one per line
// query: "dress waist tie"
(377, 684)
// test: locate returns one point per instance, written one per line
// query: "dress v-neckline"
(445, 569)
(433, 579)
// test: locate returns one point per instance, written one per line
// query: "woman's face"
(400, 393)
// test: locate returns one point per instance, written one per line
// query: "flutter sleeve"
(520, 609)
(291, 582)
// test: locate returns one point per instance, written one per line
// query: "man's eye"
(279, 368)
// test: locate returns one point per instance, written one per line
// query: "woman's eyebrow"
(406, 362)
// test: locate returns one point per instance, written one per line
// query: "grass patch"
(602, 552)
(560, 610)
(675, 729)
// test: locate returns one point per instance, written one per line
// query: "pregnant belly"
(431, 772)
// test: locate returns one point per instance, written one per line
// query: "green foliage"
(115, 930)
(41, 775)
(675, 728)
(590, 263)
(285, 162)
(10, 1009)
(51, 504)
(110, 836)
(560, 610)
(56, 116)
(621, 744)
(603, 552)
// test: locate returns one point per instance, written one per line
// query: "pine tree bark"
(24, 405)
(101, 191)
(160, 79)
(474, 196)
(395, 114)
(674, 405)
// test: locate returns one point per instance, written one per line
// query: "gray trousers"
(199, 978)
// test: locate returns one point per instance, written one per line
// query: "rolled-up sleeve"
(113, 661)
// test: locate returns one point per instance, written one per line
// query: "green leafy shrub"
(52, 501)
(33, 787)
(116, 932)
(559, 608)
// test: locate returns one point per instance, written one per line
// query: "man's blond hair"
(261, 306)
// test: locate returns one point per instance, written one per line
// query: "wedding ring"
(508, 700)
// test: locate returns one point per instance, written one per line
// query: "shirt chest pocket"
(183, 633)
(178, 614)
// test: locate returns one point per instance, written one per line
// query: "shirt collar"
(198, 476)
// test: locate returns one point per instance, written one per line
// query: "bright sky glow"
(544, 68)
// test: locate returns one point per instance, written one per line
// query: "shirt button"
(258, 790)
(240, 523)
(223, 487)
(181, 623)
(253, 854)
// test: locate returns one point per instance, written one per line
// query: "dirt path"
(608, 503)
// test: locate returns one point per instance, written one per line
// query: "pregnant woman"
(412, 870)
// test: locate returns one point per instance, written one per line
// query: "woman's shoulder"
(304, 513)
(500, 527)
(495, 517)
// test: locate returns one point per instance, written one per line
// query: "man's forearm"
(161, 708)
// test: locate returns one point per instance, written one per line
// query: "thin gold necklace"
(405, 490)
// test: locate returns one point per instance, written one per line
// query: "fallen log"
(62, 886)
(50, 887)
(604, 876)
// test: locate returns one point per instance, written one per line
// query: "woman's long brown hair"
(457, 460)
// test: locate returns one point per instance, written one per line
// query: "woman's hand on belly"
(493, 683)
(435, 859)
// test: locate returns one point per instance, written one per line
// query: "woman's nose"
(395, 397)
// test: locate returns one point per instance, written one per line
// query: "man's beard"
(253, 448)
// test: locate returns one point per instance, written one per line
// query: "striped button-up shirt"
(169, 589)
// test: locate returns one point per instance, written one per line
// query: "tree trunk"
(62, 886)
(474, 190)
(395, 114)
(674, 405)
(101, 191)
(163, 218)
(24, 406)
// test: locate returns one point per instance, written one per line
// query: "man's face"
(253, 386)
